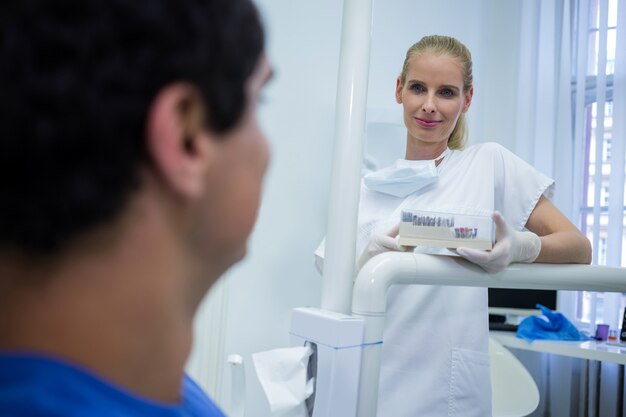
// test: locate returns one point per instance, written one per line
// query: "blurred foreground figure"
(131, 165)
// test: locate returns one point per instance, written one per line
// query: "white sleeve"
(518, 187)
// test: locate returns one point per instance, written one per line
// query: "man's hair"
(77, 78)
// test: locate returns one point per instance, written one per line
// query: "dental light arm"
(392, 268)
(378, 244)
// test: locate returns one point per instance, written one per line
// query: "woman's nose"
(429, 105)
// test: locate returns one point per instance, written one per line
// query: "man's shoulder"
(197, 402)
(40, 386)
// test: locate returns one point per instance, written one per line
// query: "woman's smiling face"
(432, 96)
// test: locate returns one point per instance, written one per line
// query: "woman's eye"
(446, 92)
(417, 88)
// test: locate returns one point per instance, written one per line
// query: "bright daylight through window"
(602, 204)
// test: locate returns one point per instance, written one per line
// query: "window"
(600, 189)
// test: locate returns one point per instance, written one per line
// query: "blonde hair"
(450, 46)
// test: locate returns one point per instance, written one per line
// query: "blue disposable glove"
(556, 327)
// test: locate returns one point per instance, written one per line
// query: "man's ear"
(177, 142)
(399, 87)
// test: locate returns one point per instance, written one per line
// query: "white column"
(347, 156)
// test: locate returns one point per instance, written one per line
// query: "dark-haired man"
(130, 173)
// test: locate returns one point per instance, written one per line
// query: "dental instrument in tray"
(447, 230)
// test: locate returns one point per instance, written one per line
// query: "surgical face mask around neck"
(404, 177)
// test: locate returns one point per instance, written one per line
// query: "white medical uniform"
(435, 346)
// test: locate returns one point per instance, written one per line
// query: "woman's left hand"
(511, 246)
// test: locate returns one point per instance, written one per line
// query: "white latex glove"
(511, 246)
(379, 244)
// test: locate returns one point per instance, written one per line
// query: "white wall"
(298, 117)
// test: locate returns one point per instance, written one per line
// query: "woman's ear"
(399, 87)
(468, 98)
(178, 145)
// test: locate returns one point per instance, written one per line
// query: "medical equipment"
(347, 155)
(338, 340)
(447, 230)
(343, 339)
(514, 391)
(393, 268)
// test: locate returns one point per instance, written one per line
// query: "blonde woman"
(435, 347)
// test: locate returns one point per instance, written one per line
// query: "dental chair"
(514, 392)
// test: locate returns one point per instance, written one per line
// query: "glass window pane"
(612, 13)
(605, 168)
(603, 234)
(585, 305)
(592, 56)
(610, 51)
(590, 157)
(597, 162)
(608, 135)
(623, 263)
(594, 11)
(583, 310)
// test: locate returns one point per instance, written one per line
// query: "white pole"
(347, 156)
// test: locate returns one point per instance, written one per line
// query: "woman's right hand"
(378, 244)
(511, 246)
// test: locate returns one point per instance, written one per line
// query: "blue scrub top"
(32, 386)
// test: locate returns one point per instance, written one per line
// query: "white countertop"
(593, 350)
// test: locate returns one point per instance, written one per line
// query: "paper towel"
(283, 375)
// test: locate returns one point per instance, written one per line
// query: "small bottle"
(612, 335)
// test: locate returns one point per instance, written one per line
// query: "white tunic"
(435, 345)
